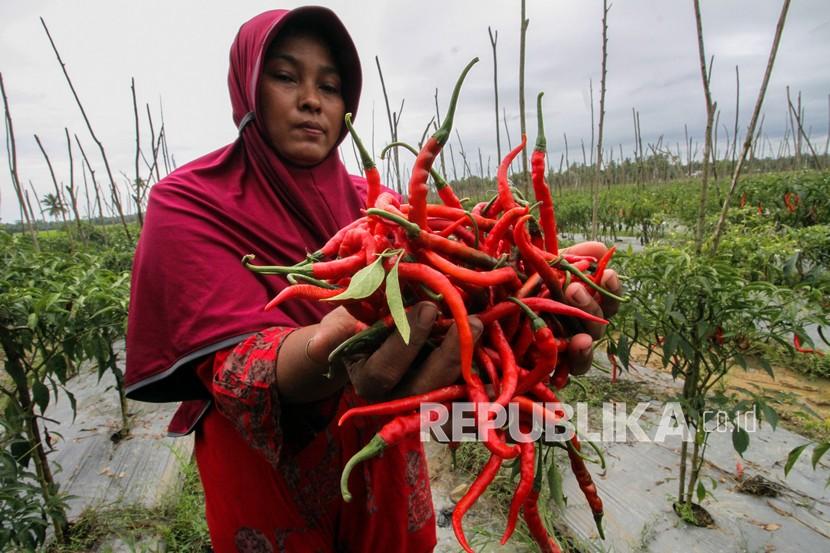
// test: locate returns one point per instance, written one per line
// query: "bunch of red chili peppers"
(496, 261)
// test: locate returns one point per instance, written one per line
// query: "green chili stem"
(372, 449)
(585, 278)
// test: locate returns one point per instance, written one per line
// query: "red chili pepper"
(791, 200)
(602, 264)
(523, 340)
(436, 281)
(477, 488)
(798, 348)
(506, 201)
(496, 277)
(537, 411)
(324, 270)
(509, 369)
(545, 343)
(547, 217)
(486, 363)
(432, 241)
(539, 305)
(446, 212)
(743, 199)
(330, 248)
(502, 226)
(530, 286)
(398, 406)
(615, 367)
(586, 484)
(534, 522)
(369, 169)
(448, 230)
(351, 242)
(527, 462)
(392, 433)
(303, 291)
(444, 189)
(418, 188)
(534, 258)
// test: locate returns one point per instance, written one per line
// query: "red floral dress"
(271, 471)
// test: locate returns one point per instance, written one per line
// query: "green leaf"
(669, 347)
(363, 283)
(766, 366)
(795, 453)
(73, 403)
(555, 484)
(623, 351)
(701, 491)
(395, 301)
(769, 414)
(40, 395)
(820, 450)
(740, 440)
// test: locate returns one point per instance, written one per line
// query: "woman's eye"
(283, 77)
(330, 88)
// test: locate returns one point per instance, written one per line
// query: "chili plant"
(698, 315)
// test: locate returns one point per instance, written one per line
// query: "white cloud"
(178, 51)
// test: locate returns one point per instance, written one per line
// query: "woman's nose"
(309, 97)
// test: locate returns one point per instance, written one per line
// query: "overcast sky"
(178, 53)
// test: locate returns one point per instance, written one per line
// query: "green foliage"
(58, 307)
(23, 519)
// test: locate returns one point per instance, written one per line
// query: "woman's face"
(300, 99)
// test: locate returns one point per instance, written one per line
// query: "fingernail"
(426, 314)
(581, 296)
(476, 328)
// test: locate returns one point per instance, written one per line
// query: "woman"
(252, 382)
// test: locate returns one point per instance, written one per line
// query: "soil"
(701, 516)
(795, 396)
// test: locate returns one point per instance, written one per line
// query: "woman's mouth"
(311, 128)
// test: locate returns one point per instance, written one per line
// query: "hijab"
(190, 293)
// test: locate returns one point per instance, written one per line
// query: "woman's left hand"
(580, 349)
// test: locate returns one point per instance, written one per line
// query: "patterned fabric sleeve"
(244, 389)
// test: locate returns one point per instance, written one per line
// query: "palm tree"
(54, 205)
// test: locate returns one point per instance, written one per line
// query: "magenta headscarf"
(190, 293)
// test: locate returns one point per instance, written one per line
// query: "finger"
(610, 282)
(375, 376)
(580, 353)
(578, 296)
(593, 249)
(336, 327)
(441, 368)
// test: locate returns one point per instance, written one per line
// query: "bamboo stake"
(522, 121)
(59, 195)
(494, 38)
(73, 198)
(114, 189)
(779, 28)
(392, 127)
(94, 180)
(598, 175)
(798, 119)
(137, 183)
(11, 149)
(710, 115)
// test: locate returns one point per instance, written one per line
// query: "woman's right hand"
(387, 373)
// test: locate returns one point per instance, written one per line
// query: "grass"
(176, 525)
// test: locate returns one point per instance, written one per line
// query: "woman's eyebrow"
(325, 69)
